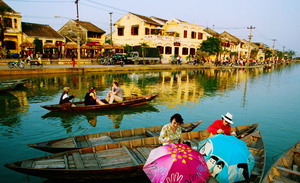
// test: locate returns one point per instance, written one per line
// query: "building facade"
(173, 37)
(11, 24)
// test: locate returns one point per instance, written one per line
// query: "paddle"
(73, 101)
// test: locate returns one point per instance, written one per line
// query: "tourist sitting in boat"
(171, 133)
(115, 94)
(91, 98)
(221, 126)
(65, 98)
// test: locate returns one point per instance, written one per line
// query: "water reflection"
(116, 116)
(175, 88)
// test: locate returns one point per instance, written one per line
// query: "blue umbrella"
(228, 158)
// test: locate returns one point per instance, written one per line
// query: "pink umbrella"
(176, 163)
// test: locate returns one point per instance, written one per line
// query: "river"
(269, 97)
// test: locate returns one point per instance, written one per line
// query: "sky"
(277, 20)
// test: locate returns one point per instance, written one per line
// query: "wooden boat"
(103, 162)
(6, 86)
(128, 102)
(89, 140)
(286, 168)
(16, 82)
(256, 146)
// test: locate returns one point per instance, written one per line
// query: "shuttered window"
(185, 32)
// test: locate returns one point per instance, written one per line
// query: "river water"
(269, 97)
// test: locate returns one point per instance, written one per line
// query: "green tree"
(291, 54)
(201, 55)
(127, 48)
(212, 46)
(253, 54)
(143, 45)
(280, 54)
(38, 45)
(3, 10)
(268, 54)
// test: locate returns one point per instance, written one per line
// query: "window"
(7, 22)
(161, 49)
(200, 35)
(10, 45)
(147, 31)
(168, 50)
(134, 30)
(155, 32)
(185, 34)
(16, 23)
(192, 51)
(193, 35)
(120, 31)
(185, 51)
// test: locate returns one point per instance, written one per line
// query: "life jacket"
(88, 99)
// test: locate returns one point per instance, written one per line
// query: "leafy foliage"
(38, 45)
(212, 46)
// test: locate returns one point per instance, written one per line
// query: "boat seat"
(101, 140)
(150, 133)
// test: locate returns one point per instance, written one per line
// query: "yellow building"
(90, 36)
(173, 37)
(13, 31)
(233, 47)
(49, 38)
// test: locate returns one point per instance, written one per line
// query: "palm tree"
(291, 54)
(143, 45)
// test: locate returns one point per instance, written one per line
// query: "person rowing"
(65, 99)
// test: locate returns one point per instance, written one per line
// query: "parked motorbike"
(13, 64)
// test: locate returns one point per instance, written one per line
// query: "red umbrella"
(176, 163)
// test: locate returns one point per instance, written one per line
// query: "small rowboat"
(16, 82)
(127, 102)
(286, 168)
(77, 142)
(118, 160)
(256, 146)
(6, 86)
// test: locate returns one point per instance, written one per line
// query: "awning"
(71, 45)
(135, 25)
(49, 45)
(157, 28)
(93, 43)
(27, 45)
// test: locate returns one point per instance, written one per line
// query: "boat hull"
(104, 162)
(89, 140)
(79, 106)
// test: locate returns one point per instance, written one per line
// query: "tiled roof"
(90, 27)
(39, 30)
(146, 19)
(159, 19)
(230, 37)
(3, 6)
(211, 32)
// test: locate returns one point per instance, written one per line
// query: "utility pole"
(78, 36)
(273, 51)
(249, 46)
(111, 41)
(283, 49)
